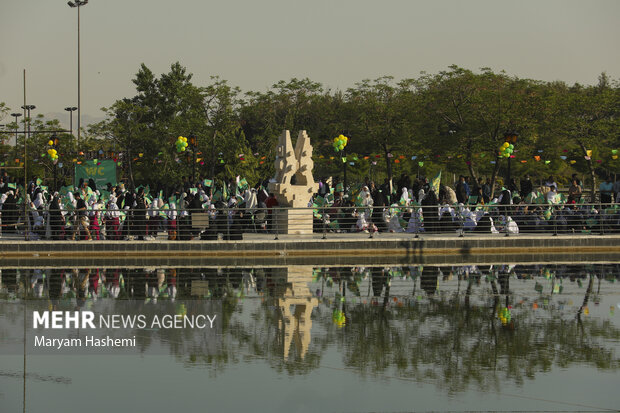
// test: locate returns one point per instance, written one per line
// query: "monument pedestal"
(292, 221)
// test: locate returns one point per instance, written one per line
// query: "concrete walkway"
(356, 249)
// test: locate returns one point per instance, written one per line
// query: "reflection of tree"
(461, 345)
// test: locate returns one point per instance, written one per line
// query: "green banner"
(101, 172)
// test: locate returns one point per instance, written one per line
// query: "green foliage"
(452, 121)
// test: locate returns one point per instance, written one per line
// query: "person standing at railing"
(486, 191)
(574, 192)
(183, 219)
(606, 189)
(270, 203)
(617, 191)
(81, 222)
(462, 190)
(430, 212)
(153, 217)
(94, 217)
(10, 212)
(140, 215)
(526, 186)
(127, 230)
(172, 219)
(56, 219)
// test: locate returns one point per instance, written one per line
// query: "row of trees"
(453, 121)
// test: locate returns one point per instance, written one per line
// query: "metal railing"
(230, 223)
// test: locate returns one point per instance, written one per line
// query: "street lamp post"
(16, 115)
(510, 137)
(77, 4)
(55, 143)
(70, 109)
(193, 141)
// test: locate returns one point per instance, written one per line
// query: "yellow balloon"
(49, 151)
(50, 142)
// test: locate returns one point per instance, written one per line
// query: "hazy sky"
(254, 44)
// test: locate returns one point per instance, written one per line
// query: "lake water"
(300, 338)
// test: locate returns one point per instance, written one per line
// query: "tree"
(588, 117)
(379, 120)
(467, 113)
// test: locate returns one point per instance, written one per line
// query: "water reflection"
(459, 327)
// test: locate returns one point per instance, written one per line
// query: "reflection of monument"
(294, 184)
(296, 324)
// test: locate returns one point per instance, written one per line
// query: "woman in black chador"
(57, 220)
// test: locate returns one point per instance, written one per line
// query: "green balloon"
(511, 146)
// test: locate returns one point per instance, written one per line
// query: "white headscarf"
(405, 196)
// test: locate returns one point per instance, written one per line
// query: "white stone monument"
(293, 165)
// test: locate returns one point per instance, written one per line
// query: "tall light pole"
(28, 108)
(16, 115)
(77, 4)
(70, 109)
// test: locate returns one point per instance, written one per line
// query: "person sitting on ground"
(551, 195)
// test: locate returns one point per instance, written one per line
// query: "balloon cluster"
(51, 152)
(340, 142)
(504, 315)
(181, 144)
(506, 150)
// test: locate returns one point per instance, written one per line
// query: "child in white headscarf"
(404, 197)
(112, 219)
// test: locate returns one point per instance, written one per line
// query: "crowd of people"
(229, 209)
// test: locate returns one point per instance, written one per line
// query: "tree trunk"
(472, 173)
(130, 160)
(470, 164)
(592, 176)
(494, 176)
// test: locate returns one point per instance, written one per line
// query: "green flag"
(207, 183)
(39, 181)
(243, 183)
(319, 201)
